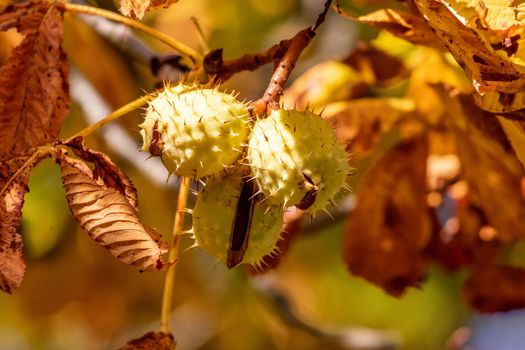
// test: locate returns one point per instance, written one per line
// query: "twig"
(272, 95)
(194, 57)
(224, 70)
(322, 16)
(284, 54)
(167, 298)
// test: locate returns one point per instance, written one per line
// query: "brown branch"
(322, 16)
(224, 70)
(284, 55)
(272, 95)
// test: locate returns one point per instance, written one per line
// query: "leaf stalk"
(169, 282)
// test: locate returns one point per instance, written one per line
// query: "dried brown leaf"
(493, 288)
(405, 25)
(25, 17)
(108, 217)
(389, 229)
(34, 81)
(493, 173)
(109, 172)
(464, 246)
(151, 341)
(137, 8)
(12, 265)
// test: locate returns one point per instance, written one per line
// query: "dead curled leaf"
(137, 8)
(490, 167)
(389, 229)
(34, 80)
(105, 169)
(493, 288)
(107, 215)
(151, 341)
(464, 247)
(12, 265)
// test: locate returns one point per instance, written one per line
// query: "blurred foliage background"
(76, 296)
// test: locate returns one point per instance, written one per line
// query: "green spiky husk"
(201, 130)
(214, 215)
(292, 153)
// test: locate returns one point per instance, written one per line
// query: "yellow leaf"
(360, 123)
(137, 8)
(326, 82)
(515, 131)
(405, 25)
(488, 70)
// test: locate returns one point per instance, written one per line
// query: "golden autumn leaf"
(107, 215)
(326, 82)
(137, 8)
(515, 131)
(498, 23)
(405, 25)
(151, 341)
(493, 288)
(34, 81)
(360, 123)
(488, 70)
(14, 176)
(389, 229)
(498, 26)
(500, 102)
(429, 68)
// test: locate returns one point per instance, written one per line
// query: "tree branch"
(272, 95)
(224, 70)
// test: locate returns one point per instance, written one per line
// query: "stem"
(183, 49)
(122, 111)
(285, 66)
(167, 298)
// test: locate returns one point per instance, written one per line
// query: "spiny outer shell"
(201, 130)
(214, 215)
(291, 153)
